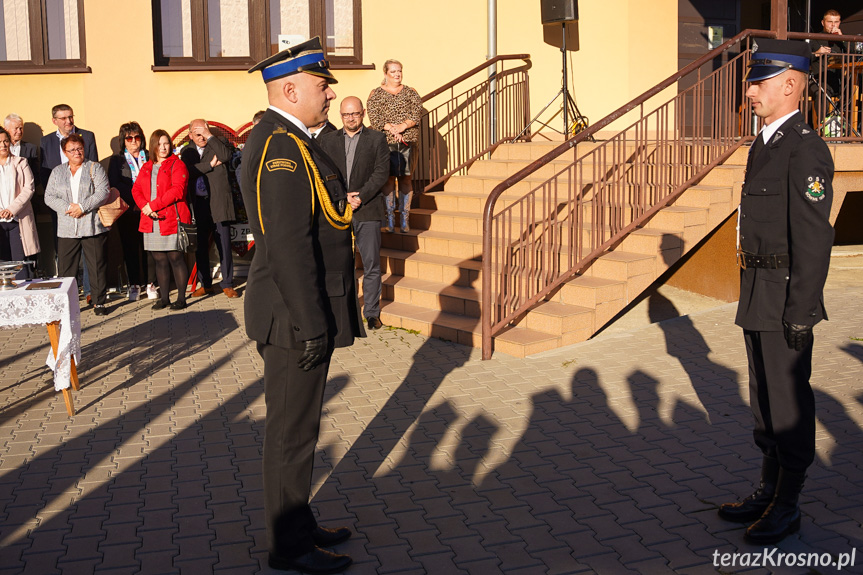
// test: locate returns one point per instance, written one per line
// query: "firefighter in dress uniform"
(301, 299)
(784, 243)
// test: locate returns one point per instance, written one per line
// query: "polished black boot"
(755, 505)
(782, 517)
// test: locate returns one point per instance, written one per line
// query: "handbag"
(113, 208)
(187, 234)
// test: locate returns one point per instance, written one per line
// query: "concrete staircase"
(432, 275)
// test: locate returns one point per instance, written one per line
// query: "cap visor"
(757, 73)
(323, 73)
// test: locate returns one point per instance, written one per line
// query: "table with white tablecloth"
(58, 309)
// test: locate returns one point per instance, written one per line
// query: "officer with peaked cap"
(784, 242)
(301, 301)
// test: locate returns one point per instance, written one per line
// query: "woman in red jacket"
(160, 192)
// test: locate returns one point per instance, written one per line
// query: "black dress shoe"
(177, 305)
(375, 323)
(324, 537)
(317, 562)
(160, 305)
(100, 310)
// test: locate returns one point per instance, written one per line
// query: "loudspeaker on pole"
(554, 11)
(557, 14)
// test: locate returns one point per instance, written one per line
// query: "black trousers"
(132, 242)
(222, 231)
(294, 399)
(368, 240)
(781, 399)
(95, 256)
(11, 247)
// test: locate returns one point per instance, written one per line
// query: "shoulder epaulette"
(279, 129)
(803, 129)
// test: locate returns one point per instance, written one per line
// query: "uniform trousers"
(294, 399)
(95, 256)
(222, 231)
(368, 240)
(781, 399)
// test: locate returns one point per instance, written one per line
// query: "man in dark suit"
(49, 148)
(207, 158)
(301, 300)
(14, 124)
(64, 118)
(784, 247)
(362, 157)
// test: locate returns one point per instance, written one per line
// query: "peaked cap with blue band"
(772, 57)
(305, 57)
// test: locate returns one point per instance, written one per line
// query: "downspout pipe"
(492, 85)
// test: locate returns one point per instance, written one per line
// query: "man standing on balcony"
(784, 242)
(820, 50)
(363, 158)
(301, 300)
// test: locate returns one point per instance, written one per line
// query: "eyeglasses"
(352, 115)
(133, 138)
(74, 150)
(69, 118)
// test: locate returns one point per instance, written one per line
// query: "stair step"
(431, 295)
(465, 246)
(723, 175)
(446, 221)
(431, 267)
(515, 341)
(561, 319)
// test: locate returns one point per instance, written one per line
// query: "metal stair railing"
(542, 239)
(459, 131)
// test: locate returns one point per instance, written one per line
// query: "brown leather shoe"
(202, 291)
(230, 292)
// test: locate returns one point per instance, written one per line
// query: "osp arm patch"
(281, 164)
(815, 190)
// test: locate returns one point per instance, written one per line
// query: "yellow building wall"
(626, 46)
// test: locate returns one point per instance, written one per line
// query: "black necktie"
(756, 148)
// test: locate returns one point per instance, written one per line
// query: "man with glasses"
(63, 117)
(363, 157)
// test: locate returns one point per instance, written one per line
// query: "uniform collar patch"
(816, 190)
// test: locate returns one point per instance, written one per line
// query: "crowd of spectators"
(161, 189)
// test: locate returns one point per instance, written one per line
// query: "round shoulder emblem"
(816, 189)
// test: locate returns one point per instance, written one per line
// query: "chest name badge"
(815, 190)
(281, 164)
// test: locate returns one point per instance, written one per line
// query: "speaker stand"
(580, 121)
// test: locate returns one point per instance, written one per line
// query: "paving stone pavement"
(610, 456)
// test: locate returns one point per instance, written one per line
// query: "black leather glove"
(314, 354)
(797, 336)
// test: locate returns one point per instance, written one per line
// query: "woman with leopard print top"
(395, 109)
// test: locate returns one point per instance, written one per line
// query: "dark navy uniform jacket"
(301, 282)
(785, 209)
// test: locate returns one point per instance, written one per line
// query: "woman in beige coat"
(18, 237)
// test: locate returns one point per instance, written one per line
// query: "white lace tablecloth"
(20, 307)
